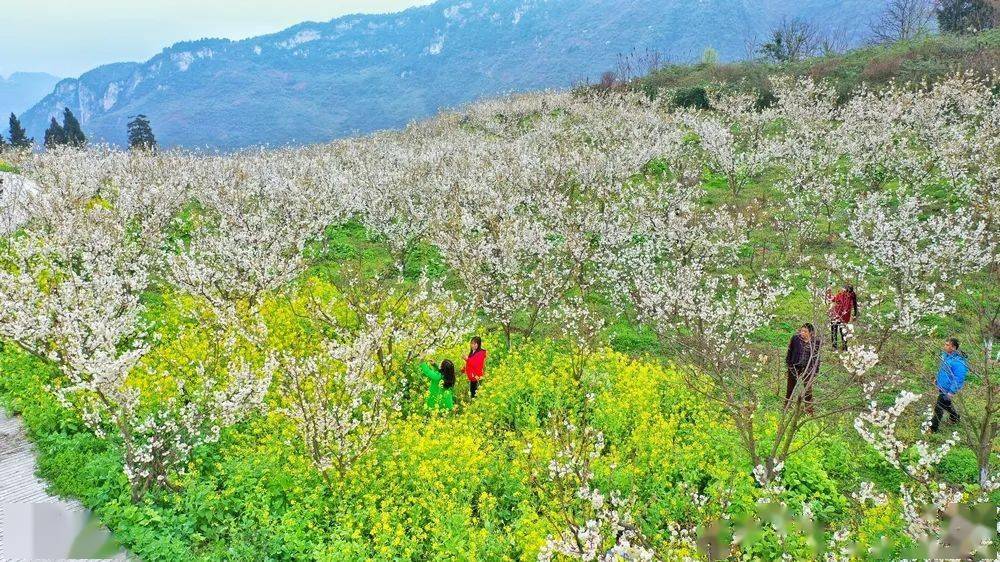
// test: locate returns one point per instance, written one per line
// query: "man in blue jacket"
(950, 379)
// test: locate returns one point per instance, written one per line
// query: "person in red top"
(843, 308)
(475, 364)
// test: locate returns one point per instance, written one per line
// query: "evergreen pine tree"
(140, 134)
(55, 135)
(3, 143)
(18, 136)
(72, 131)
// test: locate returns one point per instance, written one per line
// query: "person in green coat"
(442, 387)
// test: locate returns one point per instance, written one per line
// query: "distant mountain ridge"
(21, 90)
(317, 81)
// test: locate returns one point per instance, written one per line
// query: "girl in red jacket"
(475, 364)
(843, 308)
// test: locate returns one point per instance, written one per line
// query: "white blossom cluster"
(915, 255)
(924, 497)
(866, 494)
(858, 360)
(162, 442)
(588, 541)
(337, 406)
(600, 527)
(72, 294)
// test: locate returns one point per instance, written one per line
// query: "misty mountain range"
(21, 90)
(318, 81)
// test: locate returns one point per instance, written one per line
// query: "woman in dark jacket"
(802, 360)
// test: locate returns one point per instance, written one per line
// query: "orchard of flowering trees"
(189, 304)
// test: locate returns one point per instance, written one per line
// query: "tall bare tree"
(791, 40)
(636, 64)
(902, 19)
(751, 45)
(832, 41)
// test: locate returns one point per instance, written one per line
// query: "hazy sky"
(69, 37)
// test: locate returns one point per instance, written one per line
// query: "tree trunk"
(983, 455)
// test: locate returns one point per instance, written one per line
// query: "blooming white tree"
(581, 327)
(161, 434)
(956, 134)
(409, 320)
(816, 183)
(598, 527)
(248, 238)
(924, 495)
(404, 182)
(733, 140)
(71, 293)
(907, 256)
(338, 407)
(709, 321)
(513, 270)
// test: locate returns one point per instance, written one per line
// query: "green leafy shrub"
(695, 97)
(960, 466)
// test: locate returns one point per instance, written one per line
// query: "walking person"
(950, 380)
(843, 307)
(441, 395)
(802, 361)
(475, 365)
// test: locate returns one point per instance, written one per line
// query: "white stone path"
(25, 504)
